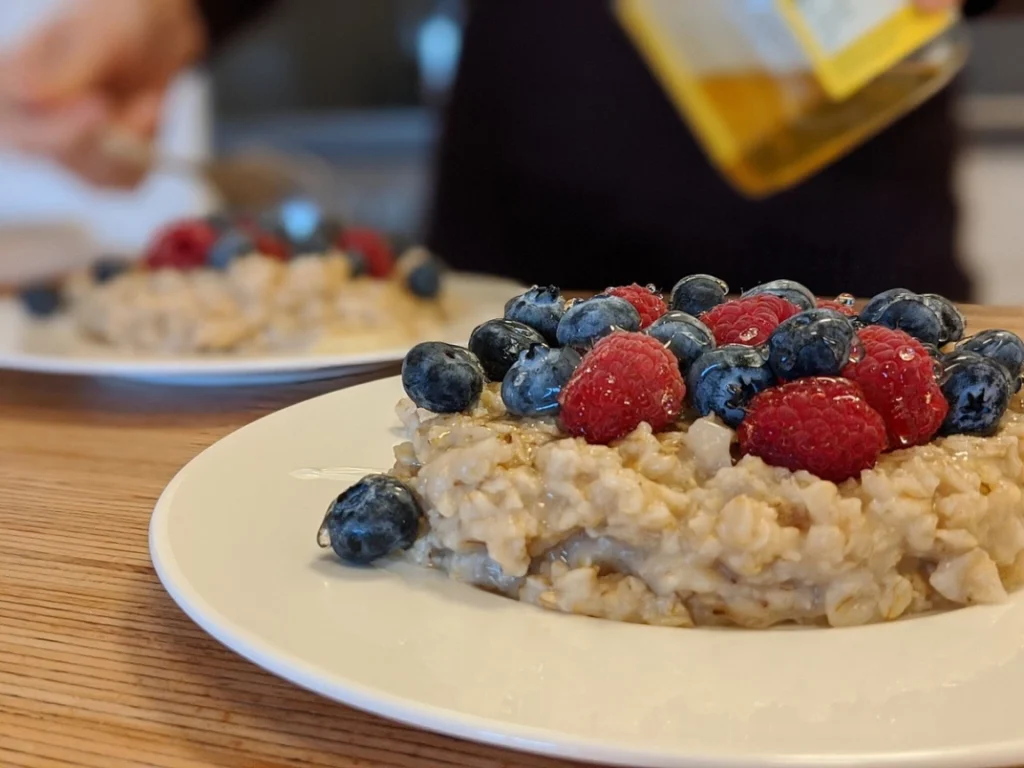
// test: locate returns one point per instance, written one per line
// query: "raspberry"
(748, 321)
(626, 379)
(841, 304)
(183, 245)
(380, 259)
(647, 301)
(270, 245)
(897, 376)
(822, 425)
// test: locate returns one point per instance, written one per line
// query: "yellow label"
(851, 42)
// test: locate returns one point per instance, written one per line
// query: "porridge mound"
(667, 529)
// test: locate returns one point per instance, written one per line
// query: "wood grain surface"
(98, 667)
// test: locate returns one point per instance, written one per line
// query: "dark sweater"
(563, 162)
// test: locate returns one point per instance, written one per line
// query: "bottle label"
(850, 42)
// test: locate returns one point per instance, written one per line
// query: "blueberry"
(696, 294)
(106, 269)
(978, 390)
(497, 344)
(1005, 347)
(540, 308)
(874, 308)
(591, 319)
(817, 342)
(424, 280)
(357, 261)
(910, 314)
(953, 322)
(375, 517)
(534, 382)
(442, 378)
(232, 244)
(683, 335)
(790, 290)
(724, 380)
(41, 299)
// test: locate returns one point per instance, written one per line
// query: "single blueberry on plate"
(683, 335)
(107, 268)
(534, 382)
(41, 299)
(953, 321)
(497, 344)
(424, 279)
(724, 380)
(790, 290)
(978, 390)
(232, 244)
(441, 377)
(1005, 347)
(375, 517)
(696, 294)
(541, 308)
(587, 321)
(911, 315)
(877, 304)
(817, 342)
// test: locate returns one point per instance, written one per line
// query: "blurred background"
(362, 84)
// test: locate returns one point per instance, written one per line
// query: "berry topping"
(535, 381)
(953, 322)
(626, 379)
(584, 322)
(420, 269)
(790, 290)
(897, 376)
(978, 390)
(843, 304)
(873, 309)
(497, 344)
(375, 517)
(724, 380)
(107, 268)
(684, 336)
(41, 299)
(817, 342)
(375, 248)
(541, 308)
(442, 378)
(748, 321)
(647, 301)
(232, 244)
(1005, 347)
(911, 314)
(696, 294)
(821, 425)
(184, 245)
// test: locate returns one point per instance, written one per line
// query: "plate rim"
(480, 729)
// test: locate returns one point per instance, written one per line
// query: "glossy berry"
(106, 269)
(41, 299)
(725, 380)
(912, 315)
(541, 308)
(380, 258)
(232, 244)
(843, 304)
(646, 300)
(535, 381)
(696, 294)
(184, 245)
(748, 321)
(952, 320)
(442, 378)
(591, 319)
(684, 336)
(789, 290)
(497, 344)
(898, 378)
(1004, 347)
(377, 516)
(625, 380)
(873, 309)
(978, 390)
(821, 425)
(817, 342)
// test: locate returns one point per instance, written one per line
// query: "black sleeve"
(976, 7)
(225, 17)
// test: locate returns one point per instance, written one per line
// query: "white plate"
(233, 540)
(52, 346)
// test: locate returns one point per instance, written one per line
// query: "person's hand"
(103, 65)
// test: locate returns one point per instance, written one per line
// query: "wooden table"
(98, 667)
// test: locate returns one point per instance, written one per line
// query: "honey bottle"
(777, 89)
